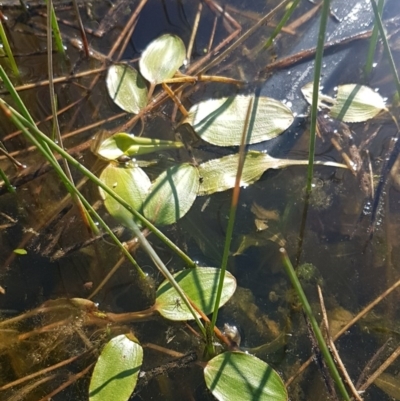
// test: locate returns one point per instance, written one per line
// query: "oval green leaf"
(126, 88)
(239, 376)
(356, 103)
(162, 58)
(20, 251)
(200, 285)
(218, 175)
(116, 371)
(131, 184)
(172, 194)
(130, 145)
(222, 121)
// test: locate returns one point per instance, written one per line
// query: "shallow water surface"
(333, 243)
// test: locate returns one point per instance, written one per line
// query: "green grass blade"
(318, 335)
(56, 29)
(386, 46)
(282, 22)
(15, 96)
(7, 182)
(372, 44)
(8, 50)
(247, 129)
(317, 73)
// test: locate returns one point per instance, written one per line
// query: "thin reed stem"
(314, 108)
(317, 332)
(8, 50)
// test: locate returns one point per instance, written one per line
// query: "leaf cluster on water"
(220, 122)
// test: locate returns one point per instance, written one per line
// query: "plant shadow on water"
(47, 317)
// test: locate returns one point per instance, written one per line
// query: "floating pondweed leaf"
(162, 58)
(222, 121)
(130, 145)
(354, 103)
(218, 175)
(131, 184)
(126, 88)
(200, 285)
(117, 369)
(172, 194)
(239, 376)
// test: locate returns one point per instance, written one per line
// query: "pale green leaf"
(324, 101)
(20, 251)
(222, 121)
(130, 145)
(116, 371)
(131, 184)
(356, 103)
(162, 58)
(239, 376)
(172, 194)
(218, 175)
(126, 88)
(200, 285)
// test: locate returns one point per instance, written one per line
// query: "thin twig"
(334, 350)
(347, 326)
(42, 371)
(371, 362)
(381, 369)
(71, 379)
(194, 31)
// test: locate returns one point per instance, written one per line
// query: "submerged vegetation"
(149, 245)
